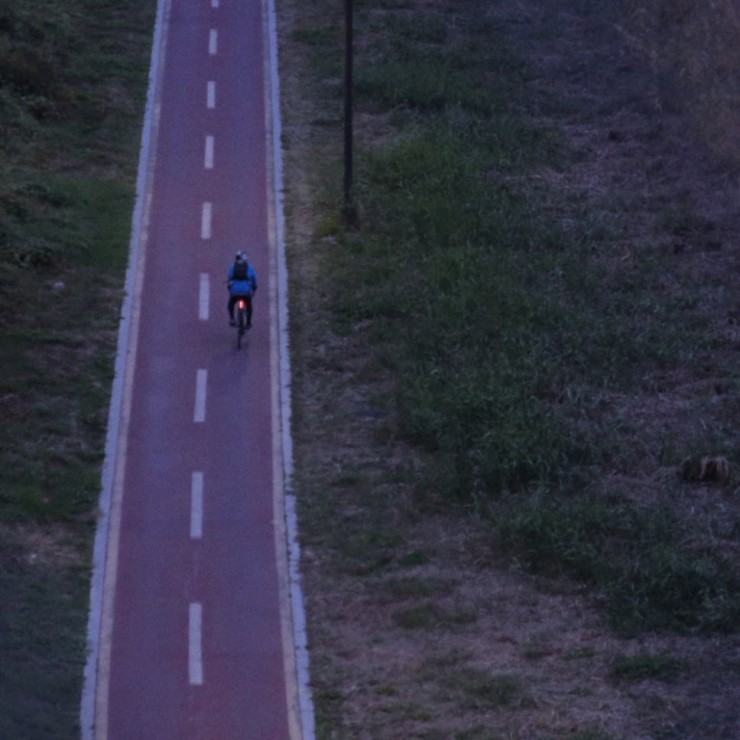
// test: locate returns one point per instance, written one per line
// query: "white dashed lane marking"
(205, 221)
(211, 95)
(195, 644)
(204, 296)
(196, 506)
(199, 411)
(213, 42)
(208, 155)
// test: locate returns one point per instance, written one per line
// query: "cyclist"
(242, 283)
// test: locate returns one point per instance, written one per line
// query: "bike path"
(197, 642)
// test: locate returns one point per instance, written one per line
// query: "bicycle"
(241, 319)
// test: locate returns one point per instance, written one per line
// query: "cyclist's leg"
(230, 308)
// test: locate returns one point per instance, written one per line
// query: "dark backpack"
(240, 270)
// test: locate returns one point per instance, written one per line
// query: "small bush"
(494, 690)
(662, 667)
(419, 617)
(632, 554)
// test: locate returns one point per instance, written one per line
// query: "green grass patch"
(633, 554)
(42, 640)
(415, 587)
(493, 690)
(74, 110)
(660, 667)
(421, 617)
(480, 289)
(73, 78)
(427, 615)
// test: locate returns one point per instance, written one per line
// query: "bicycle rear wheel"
(241, 328)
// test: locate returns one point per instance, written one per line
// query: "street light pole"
(348, 26)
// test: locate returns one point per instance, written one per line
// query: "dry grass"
(417, 629)
(695, 61)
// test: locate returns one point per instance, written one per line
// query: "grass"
(494, 301)
(499, 691)
(674, 36)
(42, 646)
(645, 666)
(66, 101)
(412, 586)
(545, 361)
(634, 555)
(510, 334)
(72, 85)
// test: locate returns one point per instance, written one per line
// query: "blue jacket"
(242, 287)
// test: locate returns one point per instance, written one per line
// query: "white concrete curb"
(300, 639)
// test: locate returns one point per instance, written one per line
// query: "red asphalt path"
(197, 645)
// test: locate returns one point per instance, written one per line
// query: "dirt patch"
(42, 546)
(416, 630)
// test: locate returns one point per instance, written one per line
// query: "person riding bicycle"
(242, 283)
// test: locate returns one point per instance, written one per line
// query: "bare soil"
(416, 630)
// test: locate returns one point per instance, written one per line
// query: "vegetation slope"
(501, 365)
(518, 507)
(72, 85)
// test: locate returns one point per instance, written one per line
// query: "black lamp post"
(348, 26)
